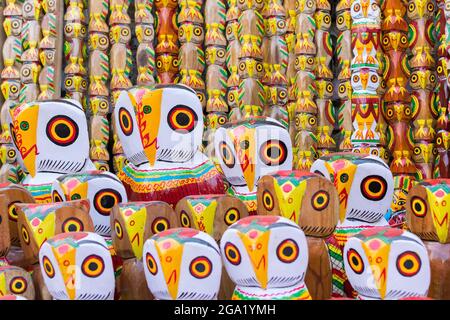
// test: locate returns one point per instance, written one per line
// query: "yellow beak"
(378, 253)
(148, 117)
(440, 210)
(170, 254)
(135, 224)
(257, 245)
(65, 256)
(290, 201)
(2, 285)
(204, 219)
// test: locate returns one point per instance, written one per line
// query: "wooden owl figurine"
(310, 201)
(5, 242)
(16, 281)
(182, 264)
(37, 223)
(132, 224)
(266, 257)
(427, 210)
(212, 214)
(387, 264)
(77, 266)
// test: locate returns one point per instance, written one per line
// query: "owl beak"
(291, 202)
(25, 133)
(139, 34)
(440, 210)
(2, 284)
(365, 7)
(257, 245)
(364, 80)
(43, 229)
(149, 114)
(136, 225)
(204, 220)
(7, 27)
(273, 94)
(247, 156)
(170, 254)
(189, 34)
(65, 256)
(5, 90)
(377, 253)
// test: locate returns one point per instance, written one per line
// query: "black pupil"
(93, 266)
(62, 130)
(375, 187)
(418, 206)
(232, 216)
(18, 285)
(150, 263)
(47, 267)
(125, 121)
(160, 227)
(268, 200)
(200, 267)
(245, 144)
(232, 254)
(118, 229)
(225, 153)
(107, 202)
(320, 200)
(355, 261)
(72, 227)
(273, 152)
(344, 178)
(408, 264)
(0, 219)
(288, 251)
(182, 119)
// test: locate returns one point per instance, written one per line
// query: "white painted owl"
(364, 183)
(182, 264)
(103, 190)
(77, 266)
(163, 124)
(266, 257)
(250, 149)
(366, 80)
(366, 10)
(387, 263)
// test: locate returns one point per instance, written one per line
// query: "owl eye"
(417, 151)
(62, 131)
(340, 20)
(330, 88)
(374, 78)
(268, 201)
(198, 31)
(26, 72)
(390, 113)
(15, 24)
(242, 66)
(93, 266)
(232, 254)
(125, 121)
(273, 153)
(231, 216)
(288, 251)
(11, 154)
(148, 32)
(159, 64)
(105, 199)
(408, 264)
(342, 88)
(200, 96)
(68, 29)
(200, 267)
(403, 40)
(357, 7)
(103, 167)
(103, 41)
(221, 53)
(320, 200)
(25, 235)
(355, 261)
(259, 67)
(327, 19)
(414, 78)
(125, 32)
(430, 7)
(222, 120)
(432, 78)
(282, 94)
(182, 119)
(355, 78)
(227, 155)
(419, 207)
(309, 4)
(281, 24)
(72, 225)
(75, 196)
(160, 224)
(12, 211)
(151, 264)
(231, 97)
(185, 221)
(374, 152)
(48, 267)
(18, 285)
(24, 125)
(374, 188)
(175, 63)
(14, 89)
(118, 229)
(438, 140)
(312, 121)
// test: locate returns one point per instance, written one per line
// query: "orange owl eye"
(231, 216)
(93, 266)
(430, 7)
(25, 235)
(374, 78)
(273, 152)
(355, 78)
(200, 267)
(125, 121)
(374, 152)
(72, 225)
(268, 201)
(232, 254)
(105, 199)
(288, 251)
(355, 261)
(390, 113)
(414, 78)
(404, 40)
(18, 285)
(118, 229)
(419, 207)
(356, 7)
(374, 188)
(12, 211)
(160, 224)
(408, 264)
(407, 111)
(48, 267)
(182, 119)
(151, 264)
(320, 200)
(185, 221)
(62, 131)
(227, 155)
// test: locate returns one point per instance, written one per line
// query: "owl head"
(103, 190)
(387, 263)
(365, 9)
(75, 29)
(10, 89)
(305, 6)
(37, 223)
(265, 252)
(215, 55)
(428, 210)
(16, 281)
(275, 26)
(343, 20)
(182, 264)
(233, 97)
(99, 105)
(364, 183)
(424, 152)
(47, 57)
(51, 136)
(120, 33)
(135, 222)
(164, 123)
(402, 186)
(443, 140)
(250, 149)
(215, 120)
(307, 199)
(277, 95)
(13, 194)
(211, 214)
(420, 9)
(29, 73)
(191, 32)
(305, 122)
(422, 79)
(395, 41)
(250, 68)
(75, 83)
(365, 79)
(12, 26)
(323, 20)
(98, 41)
(397, 111)
(31, 9)
(145, 33)
(77, 266)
